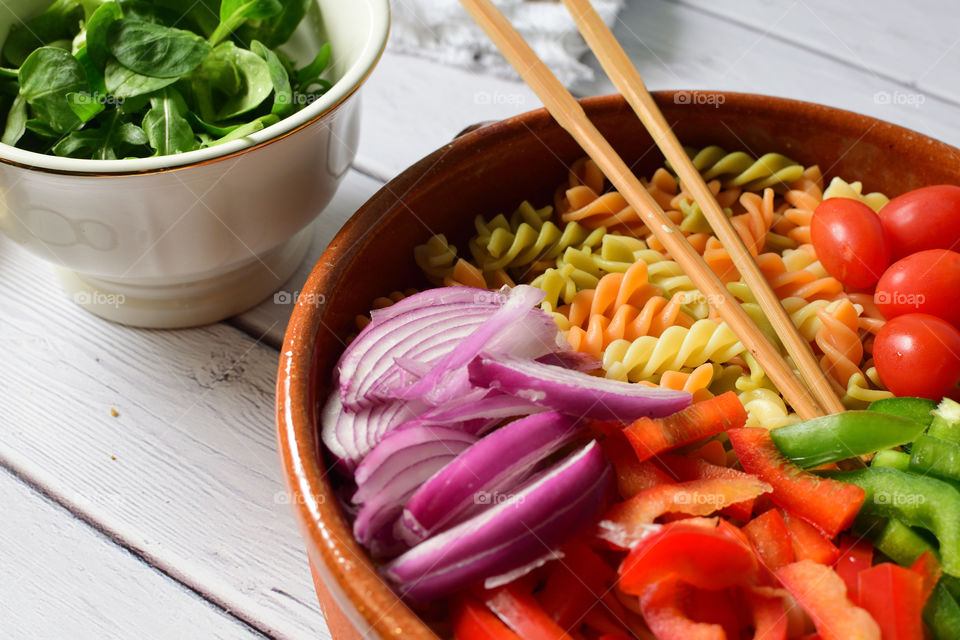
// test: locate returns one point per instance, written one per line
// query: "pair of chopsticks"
(569, 114)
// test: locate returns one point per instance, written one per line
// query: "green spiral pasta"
(739, 169)
(526, 238)
(648, 357)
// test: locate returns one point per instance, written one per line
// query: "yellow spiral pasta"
(437, 258)
(676, 348)
(840, 188)
(765, 408)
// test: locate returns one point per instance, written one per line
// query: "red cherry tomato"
(927, 218)
(925, 282)
(918, 355)
(849, 240)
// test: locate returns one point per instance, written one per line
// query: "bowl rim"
(348, 84)
(323, 526)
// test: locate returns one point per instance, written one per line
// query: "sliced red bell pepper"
(662, 604)
(808, 542)
(930, 570)
(704, 558)
(625, 520)
(770, 538)
(520, 611)
(822, 594)
(686, 468)
(633, 476)
(715, 607)
(600, 619)
(473, 621)
(856, 555)
(768, 614)
(575, 584)
(712, 452)
(829, 504)
(648, 436)
(893, 595)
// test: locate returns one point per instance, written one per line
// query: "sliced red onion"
(570, 359)
(516, 327)
(506, 578)
(494, 466)
(475, 414)
(574, 392)
(351, 435)
(442, 296)
(395, 469)
(556, 506)
(373, 351)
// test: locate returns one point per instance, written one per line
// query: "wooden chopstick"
(570, 115)
(627, 80)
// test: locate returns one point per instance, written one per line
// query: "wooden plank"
(269, 319)
(412, 106)
(679, 47)
(913, 43)
(186, 475)
(63, 579)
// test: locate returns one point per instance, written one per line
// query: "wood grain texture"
(62, 579)
(186, 474)
(915, 43)
(268, 320)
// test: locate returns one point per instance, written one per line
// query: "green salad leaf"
(113, 79)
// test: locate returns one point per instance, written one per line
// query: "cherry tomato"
(849, 241)
(927, 218)
(918, 355)
(925, 282)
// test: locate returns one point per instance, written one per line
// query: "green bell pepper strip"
(839, 436)
(891, 458)
(936, 457)
(942, 614)
(900, 543)
(918, 409)
(946, 421)
(914, 500)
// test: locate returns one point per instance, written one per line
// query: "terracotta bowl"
(487, 171)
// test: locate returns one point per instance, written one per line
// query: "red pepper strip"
(712, 452)
(473, 621)
(522, 613)
(856, 555)
(684, 468)
(698, 556)
(696, 497)
(600, 619)
(894, 597)
(769, 616)
(828, 504)
(822, 594)
(930, 570)
(633, 476)
(614, 636)
(770, 538)
(648, 437)
(662, 606)
(575, 584)
(808, 542)
(715, 607)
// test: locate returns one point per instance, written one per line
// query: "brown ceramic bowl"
(487, 171)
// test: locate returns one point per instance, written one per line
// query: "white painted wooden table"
(169, 520)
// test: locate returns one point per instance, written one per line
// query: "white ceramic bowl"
(189, 239)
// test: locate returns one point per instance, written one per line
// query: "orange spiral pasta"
(871, 320)
(840, 343)
(803, 197)
(752, 227)
(797, 283)
(629, 322)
